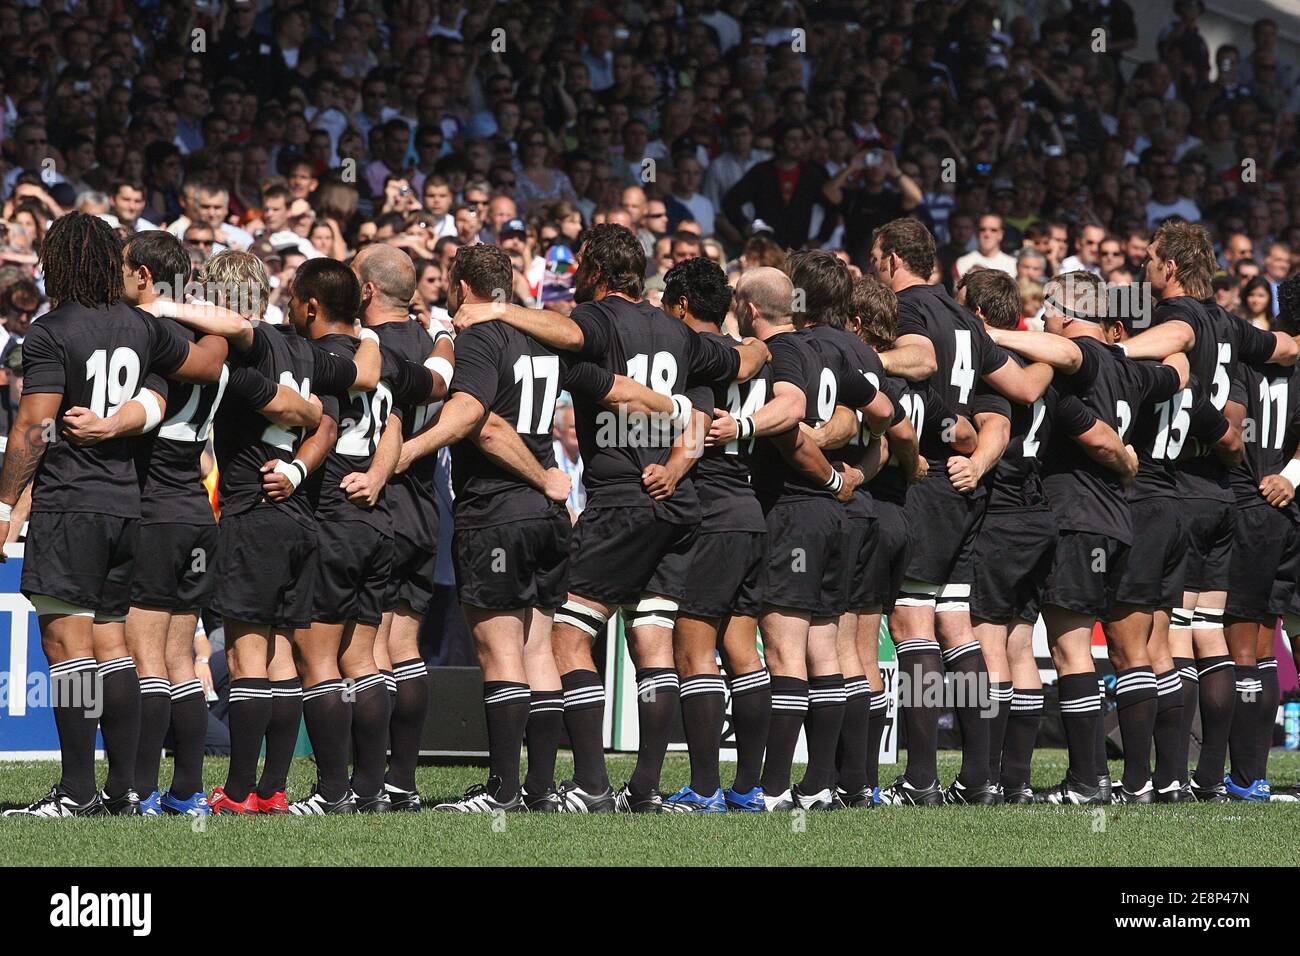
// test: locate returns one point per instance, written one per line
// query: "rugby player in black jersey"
(388, 281)
(940, 342)
(1014, 548)
(267, 536)
(511, 545)
(176, 559)
(1089, 501)
(346, 700)
(631, 543)
(874, 320)
(92, 350)
(1180, 265)
(1264, 405)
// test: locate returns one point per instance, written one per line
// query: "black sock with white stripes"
(189, 735)
(823, 724)
(281, 736)
(704, 699)
(879, 707)
(657, 700)
(1080, 711)
(120, 722)
(1243, 738)
(851, 754)
(1135, 697)
(410, 710)
(751, 716)
(1001, 694)
(1190, 676)
(1270, 696)
(789, 708)
(920, 675)
(970, 677)
(390, 685)
(506, 705)
(248, 716)
(542, 733)
(1021, 735)
(371, 711)
(155, 716)
(328, 713)
(74, 685)
(1100, 760)
(1168, 725)
(584, 720)
(1218, 682)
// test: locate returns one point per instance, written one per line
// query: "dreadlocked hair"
(82, 259)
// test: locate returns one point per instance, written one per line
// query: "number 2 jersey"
(518, 378)
(412, 503)
(645, 344)
(96, 358)
(244, 440)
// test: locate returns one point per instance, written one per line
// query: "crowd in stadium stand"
(738, 130)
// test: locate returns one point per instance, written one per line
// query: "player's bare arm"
(368, 361)
(460, 417)
(1025, 385)
(660, 481)
(208, 320)
(965, 471)
(637, 398)
(912, 358)
(1162, 340)
(83, 427)
(781, 414)
(550, 328)
(28, 437)
(291, 410)
(837, 432)
(499, 441)
(804, 456)
(1054, 350)
(753, 356)
(364, 487)
(1103, 445)
(278, 476)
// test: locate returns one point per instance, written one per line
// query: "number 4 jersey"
(97, 359)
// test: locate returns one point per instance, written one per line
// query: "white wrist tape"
(440, 366)
(294, 470)
(834, 483)
(369, 334)
(167, 309)
(682, 410)
(1292, 473)
(438, 333)
(6, 511)
(153, 413)
(745, 427)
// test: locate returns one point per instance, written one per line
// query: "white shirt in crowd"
(999, 261)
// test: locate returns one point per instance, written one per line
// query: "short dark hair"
(277, 191)
(485, 269)
(702, 283)
(330, 283)
(618, 257)
(1288, 306)
(908, 239)
(827, 288)
(162, 254)
(876, 308)
(995, 294)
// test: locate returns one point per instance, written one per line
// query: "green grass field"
(1040, 836)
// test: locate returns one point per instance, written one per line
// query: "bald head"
(770, 293)
(389, 271)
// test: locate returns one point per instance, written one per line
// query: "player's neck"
(381, 315)
(764, 330)
(1083, 329)
(699, 325)
(321, 328)
(905, 280)
(1174, 290)
(615, 295)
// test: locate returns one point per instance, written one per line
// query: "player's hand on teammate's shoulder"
(472, 313)
(81, 426)
(558, 485)
(721, 430)
(1277, 491)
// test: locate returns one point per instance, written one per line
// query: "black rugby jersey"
(924, 407)
(794, 360)
(412, 504)
(98, 359)
(1271, 397)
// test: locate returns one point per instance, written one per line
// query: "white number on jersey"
(1219, 387)
(658, 374)
(1175, 416)
(755, 399)
(360, 431)
(545, 368)
(286, 439)
(1272, 398)
(193, 423)
(1124, 415)
(113, 379)
(1039, 412)
(963, 367)
(827, 392)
